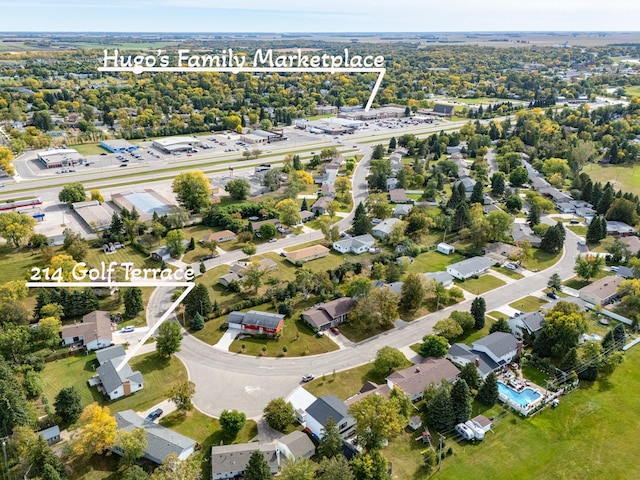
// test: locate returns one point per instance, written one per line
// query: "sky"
(318, 16)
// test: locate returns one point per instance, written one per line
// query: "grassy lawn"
(433, 261)
(498, 315)
(356, 335)
(508, 273)
(579, 282)
(622, 177)
(15, 264)
(541, 260)
(207, 432)
(90, 149)
(578, 229)
(159, 374)
(480, 285)
(579, 417)
(528, 304)
(633, 91)
(123, 255)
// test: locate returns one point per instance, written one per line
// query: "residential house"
(392, 182)
(555, 195)
(566, 207)
(444, 278)
(306, 216)
(528, 323)
(307, 254)
(487, 209)
(355, 245)
(414, 380)
(319, 207)
(398, 195)
(161, 441)
(415, 422)
(384, 228)
(328, 314)
(92, 333)
(163, 254)
(445, 248)
(586, 212)
(325, 408)
(112, 382)
(522, 232)
(402, 210)
(237, 270)
(230, 461)
(468, 183)
(328, 176)
(256, 225)
(396, 161)
(488, 353)
(619, 229)
(51, 435)
(328, 190)
(103, 290)
(395, 287)
(369, 388)
(602, 291)
(625, 272)
(256, 323)
(470, 267)
(220, 237)
(538, 183)
(296, 445)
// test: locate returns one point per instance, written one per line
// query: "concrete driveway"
(225, 342)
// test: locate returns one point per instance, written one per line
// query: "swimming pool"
(523, 397)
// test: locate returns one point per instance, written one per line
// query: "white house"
(488, 354)
(161, 441)
(355, 245)
(384, 228)
(93, 332)
(470, 267)
(113, 383)
(296, 445)
(327, 407)
(445, 248)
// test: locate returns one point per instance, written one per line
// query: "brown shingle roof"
(95, 323)
(216, 236)
(416, 379)
(605, 287)
(307, 252)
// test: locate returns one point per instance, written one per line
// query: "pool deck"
(513, 379)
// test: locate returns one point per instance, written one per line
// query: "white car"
(128, 329)
(510, 266)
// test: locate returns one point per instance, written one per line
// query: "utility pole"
(440, 450)
(6, 463)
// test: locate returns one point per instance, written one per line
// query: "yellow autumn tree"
(99, 430)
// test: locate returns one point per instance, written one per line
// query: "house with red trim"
(256, 323)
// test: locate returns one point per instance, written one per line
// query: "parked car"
(128, 329)
(307, 378)
(273, 240)
(553, 295)
(335, 330)
(154, 415)
(510, 266)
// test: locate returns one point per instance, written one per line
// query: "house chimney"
(519, 348)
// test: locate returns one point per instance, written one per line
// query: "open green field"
(15, 264)
(633, 91)
(159, 375)
(90, 149)
(528, 304)
(433, 261)
(590, 428)
(480, 285)
(622, 177)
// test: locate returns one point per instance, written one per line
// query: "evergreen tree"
(569, 360)
(197, 322)
(133, 303)
(488, 392)
(461, 216)
(477, 196)
(533, 218)
(330, 444)
(606, 200)
(192, 245)
(14, 408)
(619, 336)
(596, 193)
(392, 144)
(608, 343)
(68, 405)
(297, 164)
(603, 228)
(439, 410)
(361, 222)
(198, 301)
(553, 239)
(460, 401)
(500, 325)
(593, 231)
(257, 467)
(469, 373)
(478, 309)
(498, 183)
(304, 207)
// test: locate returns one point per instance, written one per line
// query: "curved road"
(227, 380)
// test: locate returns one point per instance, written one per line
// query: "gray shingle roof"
(259, 319)
(484, 363)
(234, 458)
(298, 443)
(161, 441)
(500, 343)
(471, 265)
(112, 379)
(106, 354)
(327, 407)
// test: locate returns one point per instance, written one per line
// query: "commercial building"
(118, 146)
(176, 144)
(59, 157)
(146, 203)
(262, 136)
(96, 215)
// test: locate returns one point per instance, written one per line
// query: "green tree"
(377, 204)
(288, 211)
(377, 420)
(68, 405)
(588, 266)
(560, 331)
(434, 346)
(302, 469)
(42, 120)
(72, 193)
(519, 176)
(238, 188)
(533, 218)
(168, 339)
(192, 190)
(175, 243)
(461, 401)
(623, 210)
(387, 360)
(478, 309)
(513, 203)
(370, 466)
(553, 239)
(477, 195)
(173, 468)
(279, 414)
(498, 183)
(181, 394)
(413, 291)
(378, 309)
(361, 222)
(197, 301)
(232, 422)
(16, 228)
(555, 282)
(464, 319)
(448, 328)
(132, 444)
(249, 249)
(488, 391)
(359, 286)
(330, 444)
(469, 373)
(135, 472)
(439, 410)
(500, 325)
(334, 468)
(257, 467)
(197, 322)
(133, 303)
(267, 231)
(14, 409)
